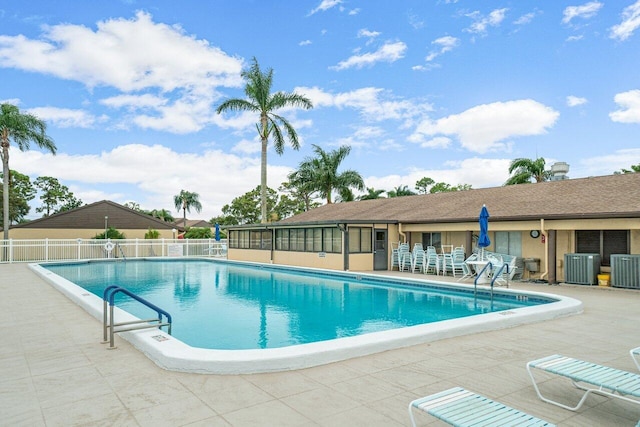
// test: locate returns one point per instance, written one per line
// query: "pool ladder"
(110, 327)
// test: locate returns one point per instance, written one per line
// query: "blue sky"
(452, 90)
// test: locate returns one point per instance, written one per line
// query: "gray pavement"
(55, 372)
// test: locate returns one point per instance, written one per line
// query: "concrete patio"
(55, 372)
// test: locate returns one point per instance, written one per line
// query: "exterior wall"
(456, 234)
(249, 255)
(309, 259)
(87, 233)
(361, 262)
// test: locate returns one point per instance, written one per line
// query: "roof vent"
(559, 171)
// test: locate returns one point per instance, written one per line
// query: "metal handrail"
(108, 323)
(497, 274)
(121, 251)
(479, 275)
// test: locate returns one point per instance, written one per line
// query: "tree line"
(316, 178)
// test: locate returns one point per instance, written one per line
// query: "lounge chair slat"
(459, 407)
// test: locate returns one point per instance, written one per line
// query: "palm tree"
(260, 100)
(400, 191)
(523, 170)
(322, 173)
(371, 194)
(185, 201)
(162, 214)
(22, 129)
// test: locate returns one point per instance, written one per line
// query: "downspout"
(546, 250)
(345, 242)
(404, 236)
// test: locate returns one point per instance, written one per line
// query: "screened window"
(296, 239)
(260, 239)
(309, 240)
(239, 239)
(282, 240)
(360, 240)
(603, 242)
(432, 239)
(508, 242)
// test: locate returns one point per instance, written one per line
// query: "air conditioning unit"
(625, 271)
(581, 269)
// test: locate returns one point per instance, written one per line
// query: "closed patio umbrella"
(483, 239)
(217, 235)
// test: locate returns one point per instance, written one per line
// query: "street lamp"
(106, 219)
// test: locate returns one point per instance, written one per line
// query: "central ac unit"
(625, 271)
(581, 269)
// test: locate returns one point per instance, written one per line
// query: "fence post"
(46, 249)
(137, 247)
(163, 246)
(10, 251)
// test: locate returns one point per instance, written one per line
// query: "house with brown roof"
(87, 221)
(538, 222)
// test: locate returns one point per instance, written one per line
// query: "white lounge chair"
(459, 407)
(635, 355)
(589, 377)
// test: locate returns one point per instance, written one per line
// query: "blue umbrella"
(217, 235)
(483, 239)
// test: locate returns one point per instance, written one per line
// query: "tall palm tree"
(185, 201)
(22, 129)
(322, 172)
(524, 170)
(259, 99)
(371, 194)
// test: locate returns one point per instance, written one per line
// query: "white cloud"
(479, 172)
(125, 54)
(481, 22)
(608, 163)
(389, 52)
(246, 146)
(574, 101)
(371, 35)
(630, 22)
(574, 38)
(155, 172)
(525, 19)
(368, 34)
(437, 142)
(629, 103)
(325, 5)
(443, 45)
(585, 11)
(487, 127)
(157, 67)
(65, 117)
(374, 104)
(305, 43)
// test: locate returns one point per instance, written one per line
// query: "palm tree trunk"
(263, 172)
(5, 183)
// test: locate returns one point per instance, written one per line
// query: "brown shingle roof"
(92, 216)
(596, 197)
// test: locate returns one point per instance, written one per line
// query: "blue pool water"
(220, 305)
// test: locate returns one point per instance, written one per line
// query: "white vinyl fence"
(36, 250)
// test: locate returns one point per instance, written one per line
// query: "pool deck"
(55, 372)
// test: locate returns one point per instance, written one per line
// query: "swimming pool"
(262, 319)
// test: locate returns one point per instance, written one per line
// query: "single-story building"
(87, 221)
(538, 222)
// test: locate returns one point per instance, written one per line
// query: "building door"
(380, 256)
